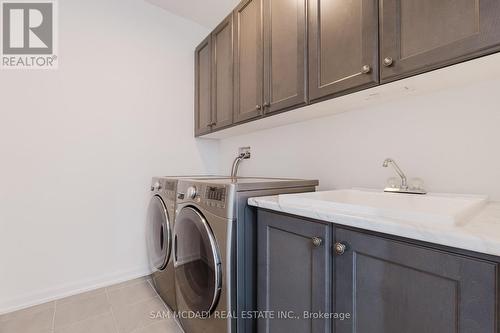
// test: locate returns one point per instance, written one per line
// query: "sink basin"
(431, 208)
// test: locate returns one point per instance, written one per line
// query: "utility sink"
(444, 209)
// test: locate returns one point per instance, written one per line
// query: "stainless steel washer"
(214, 251)
(159, 230)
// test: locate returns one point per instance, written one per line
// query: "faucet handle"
(417, 184)
(393, 182)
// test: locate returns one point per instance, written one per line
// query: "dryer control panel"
(164, 187)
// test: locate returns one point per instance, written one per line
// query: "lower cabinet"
(368, 283)
(393, 287)
(294, 270)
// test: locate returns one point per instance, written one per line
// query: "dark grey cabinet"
(285, 65)
(377, 283)
(222, 74)
(343, 47)
(248, 60)
(270, 56)
(392, 287)
(203, 84)
(294, 269)
(421, 35)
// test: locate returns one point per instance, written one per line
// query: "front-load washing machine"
(214, 250)
(159, 229)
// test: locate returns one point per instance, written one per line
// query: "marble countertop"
(480, 234)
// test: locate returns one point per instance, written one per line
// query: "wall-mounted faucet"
(403, 188)
(244, 154)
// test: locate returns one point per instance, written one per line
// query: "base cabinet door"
(422, 35)
(294, 273)
(393, 287)
(285, 41)
(343, 47)
(203, 84)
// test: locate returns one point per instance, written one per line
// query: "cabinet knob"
(388, 61)
(366, 69)
(317, 241)
(267, 104)
(258, 107)
(212, 124)
(340, 248)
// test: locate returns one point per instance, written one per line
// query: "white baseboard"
(70, 289)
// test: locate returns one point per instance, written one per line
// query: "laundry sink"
(431, 208)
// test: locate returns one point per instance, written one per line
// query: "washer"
(214, 250)
(159, 229)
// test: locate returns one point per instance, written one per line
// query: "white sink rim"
(426, 208)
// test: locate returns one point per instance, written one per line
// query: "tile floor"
(123, 308)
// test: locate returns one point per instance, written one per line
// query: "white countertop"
(480, 234)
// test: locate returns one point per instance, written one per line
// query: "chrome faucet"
(403, 188)
(244, 154)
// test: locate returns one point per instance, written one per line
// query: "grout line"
(172, 312)
(139, 301)
(54, 317)
(158, 295)
(112, 312)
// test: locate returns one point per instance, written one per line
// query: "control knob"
(156, 186)
(191, 192)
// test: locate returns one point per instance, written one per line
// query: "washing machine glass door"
(158, 234)
(198, 275)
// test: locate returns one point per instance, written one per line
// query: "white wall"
(78, 147)
(449, 138)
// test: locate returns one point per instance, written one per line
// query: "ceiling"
(204, 12)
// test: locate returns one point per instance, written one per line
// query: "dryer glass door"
(158, 234)
(198, 275)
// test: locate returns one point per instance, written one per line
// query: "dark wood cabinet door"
(293, 273)
(203, 77)
(248, 60)
(285, 42)
(343, 47)
(421, 35)
(222, 74)
(393, 287)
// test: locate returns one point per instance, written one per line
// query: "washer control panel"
(216, 193)
(215, 196)
(192, 192)
(208, 195)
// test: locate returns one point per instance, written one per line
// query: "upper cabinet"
(203, 92)
(222, 74)
(214, 80)
(343, 46)
(270, 56)
(421, 35)
(248, 60)
(285, 65)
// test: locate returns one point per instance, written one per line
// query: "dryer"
(214, 250)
